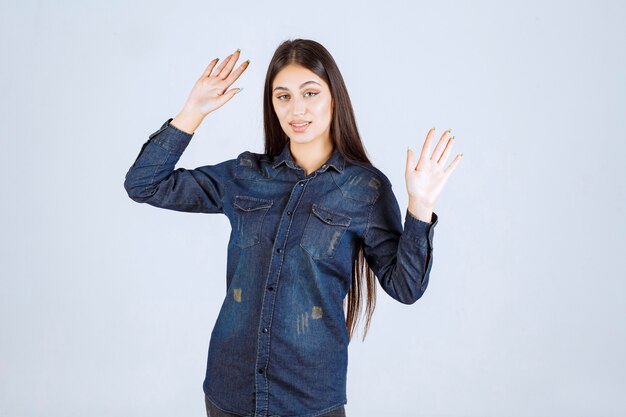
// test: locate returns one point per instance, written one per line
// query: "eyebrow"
(301, 85)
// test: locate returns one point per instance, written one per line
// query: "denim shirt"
(279, 346)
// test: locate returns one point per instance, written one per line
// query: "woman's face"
(298, 95)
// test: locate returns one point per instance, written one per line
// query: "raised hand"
(209, 93)
(426, 177)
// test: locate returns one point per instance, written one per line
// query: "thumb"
(410, 160)
(228, 95)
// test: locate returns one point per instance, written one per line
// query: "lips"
(299, 127)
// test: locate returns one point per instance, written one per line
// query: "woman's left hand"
(426, 177)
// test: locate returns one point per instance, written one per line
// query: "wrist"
(187, 120)
(421, 211)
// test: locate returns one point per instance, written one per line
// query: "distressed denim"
(279, 346)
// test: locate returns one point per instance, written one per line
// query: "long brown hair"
(345, 136)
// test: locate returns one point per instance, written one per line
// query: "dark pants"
(213, 411)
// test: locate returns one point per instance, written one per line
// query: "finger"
(210, 67)
(229, 65)
(233, 76)
(425, 148)
(450, 169)
(444, 156)
(443, 141)
(410, 160)
(228, 95)
(221, 66)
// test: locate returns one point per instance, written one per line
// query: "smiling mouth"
(300, 127)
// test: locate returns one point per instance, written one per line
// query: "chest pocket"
(323, 232)
(249, 217)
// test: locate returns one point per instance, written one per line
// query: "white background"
(106, 305)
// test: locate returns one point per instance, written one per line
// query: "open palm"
(209, 92)
(426, 176)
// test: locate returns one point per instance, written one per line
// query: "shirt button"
(324, 166)
(301, 184)
(279, 250)
(270, 288)
(261, 370)
(265, 330)
(289, 213)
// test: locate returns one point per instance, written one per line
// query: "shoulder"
(371, 171)
(251, 165)
(362, 181)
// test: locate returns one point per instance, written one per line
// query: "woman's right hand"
(209, 93)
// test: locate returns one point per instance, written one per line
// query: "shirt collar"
(336, 160)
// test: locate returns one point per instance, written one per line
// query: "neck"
(310, 156)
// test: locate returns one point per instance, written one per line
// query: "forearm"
(155, 162)
(401, 257)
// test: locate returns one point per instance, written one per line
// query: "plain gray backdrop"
(106, 305)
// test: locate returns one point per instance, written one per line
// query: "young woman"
(312, 221)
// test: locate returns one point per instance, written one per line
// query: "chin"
(301, 139)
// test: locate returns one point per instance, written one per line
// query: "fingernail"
(238, 50)
(449, 130)
(248, 61)
(432, 128)
(453, 137)
(461, 154)
(239, 91)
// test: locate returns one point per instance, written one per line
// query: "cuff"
(171, 138)
(419, 231)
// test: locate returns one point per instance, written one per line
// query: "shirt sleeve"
(400, 257)
(152, 178)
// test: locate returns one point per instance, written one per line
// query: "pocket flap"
(331, 217)
(251, 203)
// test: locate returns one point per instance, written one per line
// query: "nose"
(298, 106)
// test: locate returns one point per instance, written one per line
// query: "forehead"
(292, 76)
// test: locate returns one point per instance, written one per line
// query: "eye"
(313, 94)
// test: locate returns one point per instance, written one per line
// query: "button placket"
(272, 280)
